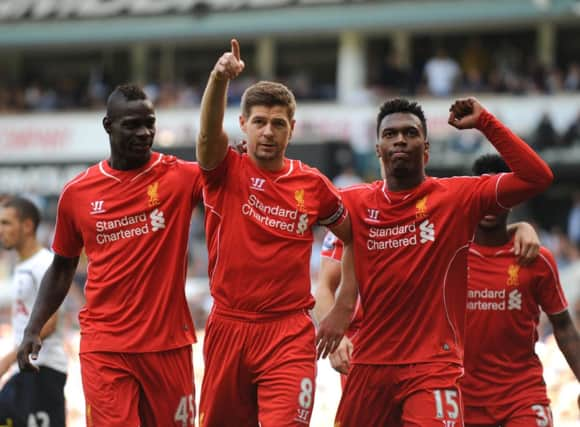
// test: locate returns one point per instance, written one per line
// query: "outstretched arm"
(53, 289)
(530, 174)
(212, 141)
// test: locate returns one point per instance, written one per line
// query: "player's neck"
(498, 236)
(29, 248)
(397, 183)
(273, 165)
(123, 164)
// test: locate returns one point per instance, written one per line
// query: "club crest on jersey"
(421, 207)
(299, 197)
(97, 207)
(257, 183)
(513, 275)
(153, 193)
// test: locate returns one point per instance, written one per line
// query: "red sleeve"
(549, 293)
(530, 174)
(332, 211)
(331, 247)
(68, 241)
(215, 176)
(197, 184)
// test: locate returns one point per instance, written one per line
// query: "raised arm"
(530, 174)
(53, 290)
(212, 141)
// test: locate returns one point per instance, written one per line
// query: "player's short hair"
(268, 94)
(24, 208)
(490, 164)
(129, 91)
(401, 105)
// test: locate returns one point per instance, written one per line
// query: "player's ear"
(426, 152)
(292, 125)
(242, 121)
(107, 124)
(28, 226)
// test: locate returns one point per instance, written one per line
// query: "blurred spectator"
(394, 78)
(475, 63)
(468, 142)
(572, 134)
(347, 177)
(574, 220)
(441, 73)
(572, 79)
(508, 76)
(545, 136)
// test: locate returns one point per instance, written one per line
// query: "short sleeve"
(332, 210)
(68, 240)
(549, 293)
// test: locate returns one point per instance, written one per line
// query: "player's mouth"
(399, 155)
(141, 148)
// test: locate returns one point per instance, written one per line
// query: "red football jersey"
(259, 232)
(332, 248)
(410, 250)
(134, 226)
(503, 310)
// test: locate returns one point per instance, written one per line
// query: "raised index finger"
(236, 49)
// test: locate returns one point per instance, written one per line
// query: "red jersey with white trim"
(410, 250)
(332, 248)
(134, 226)
(259, 232)
(503, 311)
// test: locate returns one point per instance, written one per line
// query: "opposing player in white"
(29, 398)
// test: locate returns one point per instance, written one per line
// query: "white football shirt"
(26, 282)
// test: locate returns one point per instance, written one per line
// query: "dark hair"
(400, 105)
(490, 164)
(129, 91)
(268, 94)
(24, 208)
(124, 92)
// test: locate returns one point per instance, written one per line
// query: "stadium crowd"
(472, 70)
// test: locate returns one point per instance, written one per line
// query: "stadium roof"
(29, 23)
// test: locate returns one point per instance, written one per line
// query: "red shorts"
(260, 370)
(139, 389)
(424, 394)
(517, 414)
